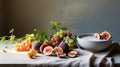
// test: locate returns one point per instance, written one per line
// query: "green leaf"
(4, 51)
(57, 26)
(12, 30)
(53, 24)
(3, 39)
(12, 37)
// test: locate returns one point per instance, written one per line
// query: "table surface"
(5, 59)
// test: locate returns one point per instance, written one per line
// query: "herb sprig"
(38, 35)
(11, 37)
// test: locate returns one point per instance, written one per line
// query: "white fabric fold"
(84, 59)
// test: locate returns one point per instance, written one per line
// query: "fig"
(58, 50)
(105, 35)
(64, 46)
(43, 46)
(61, 55)
(48, 50)
(37, 46)
(72, 54)
(32, 53)
(96, 35)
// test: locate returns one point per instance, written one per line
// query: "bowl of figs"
(95, 42)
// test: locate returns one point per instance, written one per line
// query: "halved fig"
(45, 44)
(72, 54)
(105, 35)
(48, 50)
(61, 55)
(58, 50)
(96, 35)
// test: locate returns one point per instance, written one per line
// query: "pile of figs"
(61, 50)
(60, 44)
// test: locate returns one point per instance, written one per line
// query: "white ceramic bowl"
(88, 42)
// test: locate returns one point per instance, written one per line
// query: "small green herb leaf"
(6, 47)
(4, 51)
(12, 30)
(12, 38)
(3, 39)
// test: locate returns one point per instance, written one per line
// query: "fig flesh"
(45, 44)
(105, 35)
(96, 35)
(48, 50)
(58, 50)
(72, 54)
(61, 55)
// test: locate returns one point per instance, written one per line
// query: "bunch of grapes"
(54, 41)
(70, 41)
(62, 35)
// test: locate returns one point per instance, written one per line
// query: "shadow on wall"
(80, 16)
(86, 16)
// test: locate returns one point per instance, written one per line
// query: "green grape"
(55, 35)
(61, 36)
(71, 41)
(62, 31)
(71, 46)
(66, 41)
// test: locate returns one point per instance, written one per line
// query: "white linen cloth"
(84, 59)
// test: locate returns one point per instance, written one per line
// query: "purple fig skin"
(64, 46)
(36, 46)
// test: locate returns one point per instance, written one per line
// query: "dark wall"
(80, 16)
(0, 17)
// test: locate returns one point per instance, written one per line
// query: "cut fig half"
(48, 50)
(61, 55)
(58, 50)
(72, 54)
(96, 35)
(105, 35)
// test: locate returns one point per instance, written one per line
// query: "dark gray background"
(80, 16)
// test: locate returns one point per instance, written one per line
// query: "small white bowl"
(88, 42)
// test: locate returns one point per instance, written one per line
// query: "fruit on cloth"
(48, 50)
(64, 46)
(96, 35)
(45, 44)
(68, 33)
(72, 54)
(28, 43)
(105, 35)
(58, 50)
(61, 55)
(37, 46)
(21, 47)
(54, 41)
(70, 41)
(32, 53)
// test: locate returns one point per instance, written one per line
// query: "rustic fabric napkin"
(84, 59)
(101, 59)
